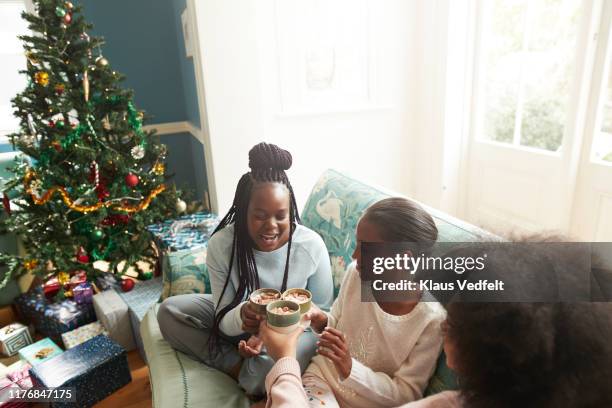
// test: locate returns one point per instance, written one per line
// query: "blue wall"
(144, 41)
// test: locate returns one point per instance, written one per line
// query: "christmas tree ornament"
(60, 124)
(68, 5)
(27, 140)
(101, 61)
(106, 123)
(82, 256)
(32, 58)
(86, 86)
(6, 203)
(127, 284)
(60, 12)
(131, 180)
(97, 234)
(159, 169)
(147, 275)
(68, 18)
(138, 152)
(41, 78)
(63, 278)
(31, 124)
(59, 89)
(30, 265)
(181, 206)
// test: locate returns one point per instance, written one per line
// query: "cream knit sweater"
(393, 356)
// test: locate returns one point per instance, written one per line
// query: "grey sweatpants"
(186, 321)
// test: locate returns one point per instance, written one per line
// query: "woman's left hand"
(333, 346)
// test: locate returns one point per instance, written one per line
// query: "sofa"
(332, 210)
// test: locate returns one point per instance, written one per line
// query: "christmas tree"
(91, 179)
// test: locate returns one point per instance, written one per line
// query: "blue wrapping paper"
(139, 300)
(96, 369)
(185, 232)
(53, 319)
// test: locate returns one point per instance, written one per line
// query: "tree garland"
(143, 205)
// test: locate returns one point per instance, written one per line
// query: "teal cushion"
(185, 272)
(333, 210)
(443, 378)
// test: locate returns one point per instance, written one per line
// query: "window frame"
(4, 132)
(578, 81)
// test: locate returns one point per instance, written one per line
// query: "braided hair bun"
(264, 156)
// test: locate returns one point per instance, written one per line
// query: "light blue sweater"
(309, 267)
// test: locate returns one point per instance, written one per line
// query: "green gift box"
(40, 351)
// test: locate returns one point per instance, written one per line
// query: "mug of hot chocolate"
(283, 316)
(300, 296)
(260, 298)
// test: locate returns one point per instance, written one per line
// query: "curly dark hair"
(531, 354)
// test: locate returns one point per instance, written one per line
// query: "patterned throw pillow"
(185, 272)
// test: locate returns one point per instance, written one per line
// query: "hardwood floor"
(136, 394)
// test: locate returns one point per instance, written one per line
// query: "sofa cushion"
(185, 272)
(337, 202)
(178, 380)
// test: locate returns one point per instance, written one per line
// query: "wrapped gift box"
(14, 337)
(184, 232)
(82, 334)
(106, 281)
(113, 313)
(40, 351)
(16, 377)
(53, 319)
(139, 300)
(83, 367)
(182, 256)
(83, 293)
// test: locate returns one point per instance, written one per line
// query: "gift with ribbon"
(83, 293)
(40, 351)
(53, 318)
(17, 378)
(14, 337)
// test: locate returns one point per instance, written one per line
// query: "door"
(533, 60)
(592, 216)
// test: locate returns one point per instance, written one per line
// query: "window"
(13, 60)
(602, 141)
(525, 61)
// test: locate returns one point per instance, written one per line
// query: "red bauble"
(68, 18)
(127, 285)
(82, 257)
(131, 180)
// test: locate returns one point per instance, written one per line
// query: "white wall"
(249, 70)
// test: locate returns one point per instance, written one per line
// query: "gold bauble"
(41, 78)
(159, 169)
(101, 61)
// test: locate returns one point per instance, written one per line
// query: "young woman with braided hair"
(258, 244)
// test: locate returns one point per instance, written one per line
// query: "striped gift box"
(14, 337)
